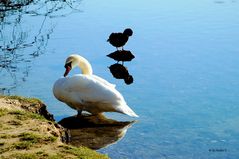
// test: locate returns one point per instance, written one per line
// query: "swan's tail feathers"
(126, 110)
(133, 114)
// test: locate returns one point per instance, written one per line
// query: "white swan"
(87, 91)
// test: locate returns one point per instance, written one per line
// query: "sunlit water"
(186, 75)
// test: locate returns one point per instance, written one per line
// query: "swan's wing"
(86, 89)
(92, 88)
(104, 81)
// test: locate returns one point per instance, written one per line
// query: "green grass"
(66, 152)
(37, 116)
(22, 99)
(15, 122)
(56, 156)
(21, 114)
(17, 112)
(24, 115)
(7, 136)
(83, 152)
(5, 149)
(36, 138)
(3, 112)
(23, 145)
(36, 156)
(24, 156)
(27, 141)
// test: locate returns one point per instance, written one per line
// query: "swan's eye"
(67, 65)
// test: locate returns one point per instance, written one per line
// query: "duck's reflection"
(121, 72)
(121, 55)
(94, 132)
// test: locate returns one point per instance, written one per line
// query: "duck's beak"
(68, 69)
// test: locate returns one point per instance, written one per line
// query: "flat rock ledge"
(29, 131)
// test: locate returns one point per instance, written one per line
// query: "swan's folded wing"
(91, 92)
(104, 81)
(92, 88)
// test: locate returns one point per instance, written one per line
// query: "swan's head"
(69, 64)
(76, 60)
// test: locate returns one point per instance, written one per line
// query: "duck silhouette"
(120, 39)
(121, 55)
(120, 72)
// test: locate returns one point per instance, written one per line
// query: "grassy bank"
(28, 131)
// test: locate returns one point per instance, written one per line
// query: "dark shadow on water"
(119, 71)
(18, 46)
(94, 132)
(121, 55)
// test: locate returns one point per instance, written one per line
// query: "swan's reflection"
(94, 132)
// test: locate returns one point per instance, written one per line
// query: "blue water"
(186, 75)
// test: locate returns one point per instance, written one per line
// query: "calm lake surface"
(186, 70)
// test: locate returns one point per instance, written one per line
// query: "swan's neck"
(84, 66)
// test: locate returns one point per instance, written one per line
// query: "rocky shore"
(28, 131)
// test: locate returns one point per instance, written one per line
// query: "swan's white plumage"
(89, 92)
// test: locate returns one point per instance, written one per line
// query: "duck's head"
(76, 60)
(128, 32)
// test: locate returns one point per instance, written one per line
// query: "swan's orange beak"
(68, 69)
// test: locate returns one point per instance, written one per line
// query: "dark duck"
(120, 39)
